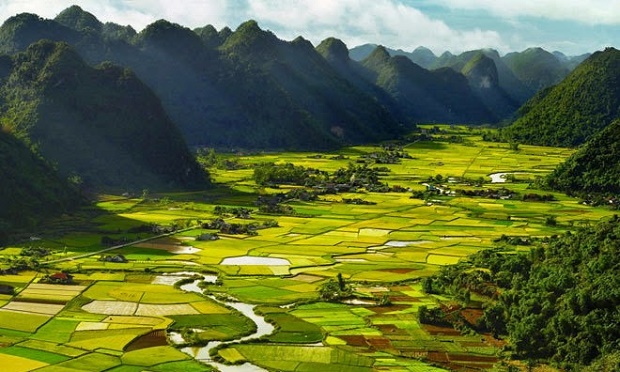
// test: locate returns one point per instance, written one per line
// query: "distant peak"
(76, 18)
(333, 48)
(380, 52)
(422, 49)
(249, 26)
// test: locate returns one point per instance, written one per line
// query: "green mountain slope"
(506, 79)
(101, 124)
(482, 74)
(442, 95)
(581, 105)
(336, 54)
(595, 167)
(30, 190)
(337, 107)
(239, 89)
(536, 68)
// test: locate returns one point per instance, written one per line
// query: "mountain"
(19, 31)
(335, 52)
(483, 77)
(570, 62)
(75, 18)
(536, 68)
(441, 95)
(594, 168)
(506, 79)
(229, 89)
(101, 124)
(30, 190)
(421, 56)
(361, 52)
(568, 114)
(338, 111)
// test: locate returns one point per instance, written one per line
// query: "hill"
(30, 190)
(536, 68)
(506, 80)
(442, 95)
(421, 56)
(335, 52)
(581, 105)
(101, 124)
(337, 111)
(594, 168)
(228, 89)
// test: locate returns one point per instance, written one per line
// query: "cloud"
(592, 12)
(137, 13)
(388, 22)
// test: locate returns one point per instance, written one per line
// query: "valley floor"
(121, 309)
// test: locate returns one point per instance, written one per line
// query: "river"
(201, 353)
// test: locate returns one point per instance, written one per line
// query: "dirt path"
(117, 246)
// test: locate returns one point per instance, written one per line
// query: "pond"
(501, 177)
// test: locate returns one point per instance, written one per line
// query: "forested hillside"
(594, 168)
(557, 304)
(581, 105)
(226, 89)
(99, 124)
(426, 96)
(30, 190)
(248, 89)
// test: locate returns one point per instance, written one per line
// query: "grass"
(59, 330)
(216, 326)
(19, 364)
(186, 366)
(52, 347)
(34, 354)
(25, 322)
(291, 329)
(91, 362)
(153, 356)
(309, 358)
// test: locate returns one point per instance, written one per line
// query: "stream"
(201, 353)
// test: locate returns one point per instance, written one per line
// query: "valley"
(204, 199)
(117, 311)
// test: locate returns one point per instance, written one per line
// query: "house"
(58, 278)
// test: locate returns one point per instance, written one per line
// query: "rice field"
(380, 249)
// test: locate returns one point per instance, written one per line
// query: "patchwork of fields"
(116, 314)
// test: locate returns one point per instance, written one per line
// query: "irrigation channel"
(201, 353)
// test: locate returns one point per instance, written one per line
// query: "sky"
(571, 26)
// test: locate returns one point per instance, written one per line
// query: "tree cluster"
(559, 303)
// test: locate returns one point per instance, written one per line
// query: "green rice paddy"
(379, 249)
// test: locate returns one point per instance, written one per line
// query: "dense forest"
(581, 105)
(31, 190)
(100, 124)
(560, 302)
(594, 168)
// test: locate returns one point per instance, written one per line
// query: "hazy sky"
(571, 26)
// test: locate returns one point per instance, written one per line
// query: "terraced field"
(118, 315)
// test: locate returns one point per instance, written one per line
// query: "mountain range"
(110, 108)
(519, 74)
(248, 89)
